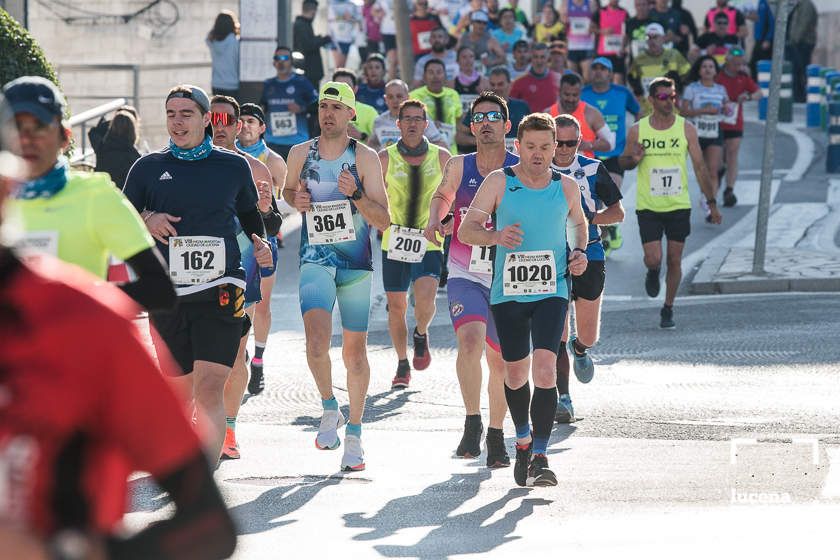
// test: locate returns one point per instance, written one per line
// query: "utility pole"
(782, 10)
(405, 54)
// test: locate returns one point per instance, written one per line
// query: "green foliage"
(21, 54)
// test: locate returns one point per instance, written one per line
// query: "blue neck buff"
(255, 150)
(199, 152)
(48, 185)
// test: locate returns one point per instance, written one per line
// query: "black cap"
(252, 110)
(35, 95)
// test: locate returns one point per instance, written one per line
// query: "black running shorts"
(205, 326)
(521, 325)
(611, 164)
(590, 284)
(676, 225)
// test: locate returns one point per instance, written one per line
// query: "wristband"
(711, 202)
(151, 213)
(579, 249)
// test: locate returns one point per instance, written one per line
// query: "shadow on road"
(378, 407)
(451, 534)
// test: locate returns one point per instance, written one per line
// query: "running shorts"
(611, 164)
(320, 287)
(468, 302)
(265, 272)
(398, 275)
(590, 284)
(727, 134)
(676, 225)
(522, 325)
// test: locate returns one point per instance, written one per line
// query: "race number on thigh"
(283, 123)
(529, 273)
(330, 222)
(665, 181)
(196, 259)
(406, 244)
(481, 259)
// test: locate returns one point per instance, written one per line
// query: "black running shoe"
(729, 198)
(666, 318)
(497, 456)
(470, 446)
(520, 468)
(539, 474)
(652, 282)
(256, 384)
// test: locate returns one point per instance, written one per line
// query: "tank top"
(459, 253)
(467, 92)
(662, 177)
(579, 36)
(407, 208)
(611, 19)
(320, 177)
(542, 215)
(586, 132)
(479, 46)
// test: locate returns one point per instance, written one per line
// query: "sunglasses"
(665, 96)
(222, 119)
(492, 116)
(281, 57)
(567, 143)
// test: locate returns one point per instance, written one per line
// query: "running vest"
(586, 132)
(542, 215)
(407, 208)
(579, 36)
(320, 177)
(459, 253)
(662, 177)
(731, 15)
(612, 20)
(613, 105)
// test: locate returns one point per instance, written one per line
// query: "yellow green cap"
(338, 91)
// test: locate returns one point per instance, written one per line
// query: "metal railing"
(82, 119)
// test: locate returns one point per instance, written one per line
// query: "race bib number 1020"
(529, 273)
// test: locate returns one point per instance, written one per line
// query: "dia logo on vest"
(648, 143)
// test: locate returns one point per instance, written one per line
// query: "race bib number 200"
(406, 244)
(330, 222)
(529, 273)
(196, 259)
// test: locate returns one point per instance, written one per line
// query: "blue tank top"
(320, 177)
(542, 215)
(613, 104)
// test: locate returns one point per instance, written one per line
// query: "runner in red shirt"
(740, 87)
(538, 86)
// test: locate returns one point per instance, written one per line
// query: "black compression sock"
(562, 370)
(518, 401)
(543, 407)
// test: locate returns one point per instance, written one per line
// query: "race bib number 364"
(330, 222)
(529, 273)
(196, 259)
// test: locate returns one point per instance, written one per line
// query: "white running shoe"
(354, 455)
(327, 437)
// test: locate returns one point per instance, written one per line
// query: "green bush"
(21, 54)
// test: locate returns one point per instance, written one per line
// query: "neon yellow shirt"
(452, 110)
(365, 115)
(88, 220)
(662, 179)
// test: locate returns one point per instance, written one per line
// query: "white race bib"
(510, 146)
(480, 259)
(637, 46)
(448, 132)
(196, 259)
(406, 244)
(708, 126)
(283, 123)
(424, 40)
(330, 222)
(579, 25)
(529, 273)
(730, 111)
(39, 242)
(466, 101)
(387, 135)
(665, 181)
(613, 44)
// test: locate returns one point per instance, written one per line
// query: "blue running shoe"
(565, 411)
(584, 368)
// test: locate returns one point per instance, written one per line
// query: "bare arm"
(578, 226)
(596, 122)
(383, 161)
(444, 196)
(374, 202)
(278, 170)
(463, 136)
(612, 214)
(293, 193)
(633, 151)
(487, 199)
(701, 171)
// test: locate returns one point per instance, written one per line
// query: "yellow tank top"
(662, 179)
(401, 201)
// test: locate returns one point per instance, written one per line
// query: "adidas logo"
(166, 176)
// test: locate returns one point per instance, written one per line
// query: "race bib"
(613, 44)
(424, 40)
(40, 242)
(510, 146)
(529, 273)
(579, 26)
(283, 123)
(481, 261)
(665, 181)
(637, 46)
(730, 111)
(406, 244)
(466, 101)
(707, 126)
(447, 131)
(387, 135)
(330, 222)
(196, 259)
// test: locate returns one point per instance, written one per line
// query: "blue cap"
(603, 61)
(35, 95)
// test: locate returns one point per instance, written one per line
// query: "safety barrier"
(814, 96)
(832, 158)
(764, 83)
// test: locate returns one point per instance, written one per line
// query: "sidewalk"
(802, 253)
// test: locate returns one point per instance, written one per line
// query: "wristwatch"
(711, 202)
(357, 194)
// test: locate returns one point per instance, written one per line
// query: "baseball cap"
(734, 51)
(603, 61)
(36, 95)
(654, 29)
(338, 91)
(195, 93)
(480, 15)
(252, 110)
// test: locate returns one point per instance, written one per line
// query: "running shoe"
(403, 377)
(327, 437)
(497, 456)
(706, 210)
(539, 474)
(470, 446)
(565, 411)
(584, 368)
(230, 449)
(666, 318)
(520, 468)
(616, 240)
(422, 357)
(652, 282)
(729, 198)
(256, 384)
(354, 455)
